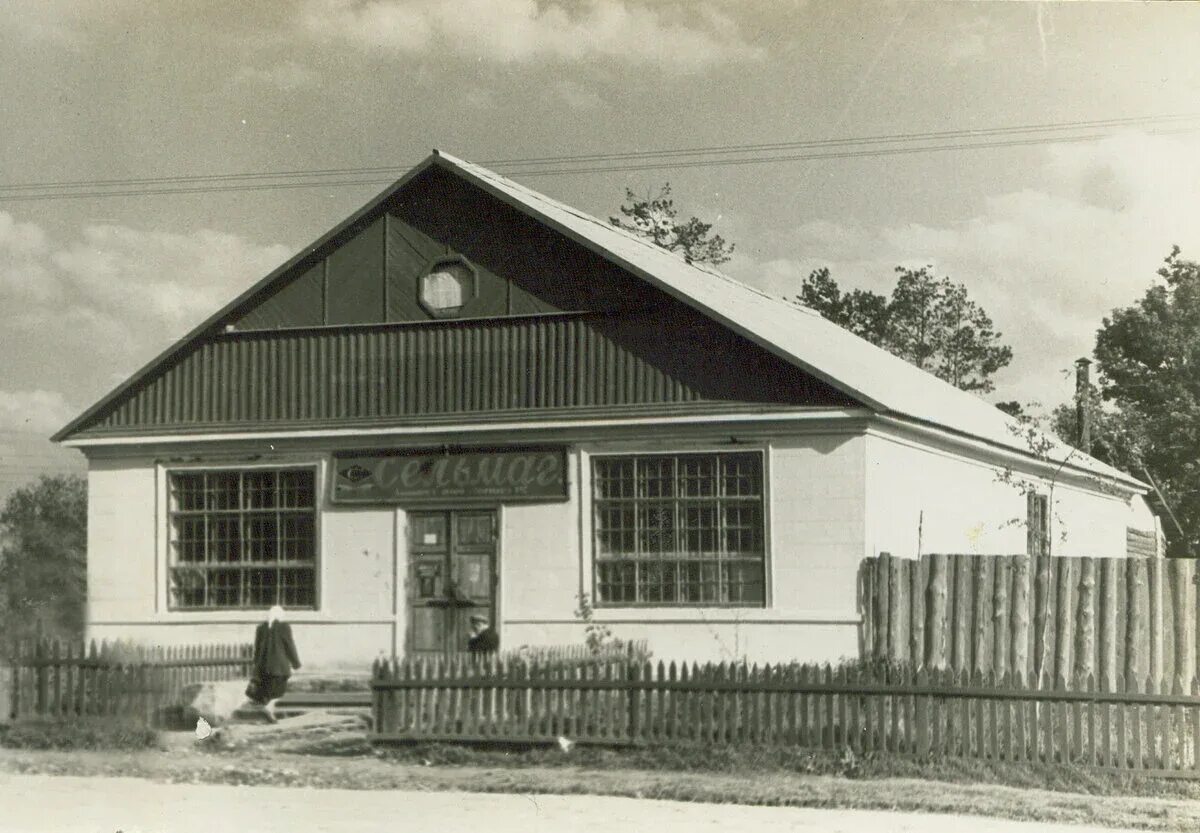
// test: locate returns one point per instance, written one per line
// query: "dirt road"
(69, 804)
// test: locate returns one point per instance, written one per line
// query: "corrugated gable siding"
(500, 365)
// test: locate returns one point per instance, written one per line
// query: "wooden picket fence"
(58, 679)
(1064, 618)
(867, 710)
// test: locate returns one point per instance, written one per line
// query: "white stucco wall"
(922, 499)
(127, 569)
(835, 494)
(815, 540)
(122, 540)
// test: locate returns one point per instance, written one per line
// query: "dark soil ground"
(332, 756)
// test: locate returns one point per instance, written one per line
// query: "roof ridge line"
(583, 215)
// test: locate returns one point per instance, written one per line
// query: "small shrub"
(878, 668)
(597, 635)
(599, 638)
(91, 733)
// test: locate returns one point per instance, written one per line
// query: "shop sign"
(439, 477)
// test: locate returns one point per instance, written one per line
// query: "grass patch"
(83, 733)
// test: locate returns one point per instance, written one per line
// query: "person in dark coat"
(483, 639)
(275, 658)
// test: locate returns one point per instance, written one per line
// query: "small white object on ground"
(215, 701)
(203, 728)
(565, 744)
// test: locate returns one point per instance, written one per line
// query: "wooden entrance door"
(452, 558)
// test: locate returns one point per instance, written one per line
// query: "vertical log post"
(1065, 621)
(935, 612)
(866, 579)
(897, 609)
(1000, 614)
(1085, 644)
(1108, 624)
(962, 614)
(1019, 654)
(883, 569)
(1182, 573)
(916, 614)
(1041, 615)
(1156, 623)
(1136, 656)
(981, 593)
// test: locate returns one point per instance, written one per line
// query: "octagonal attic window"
(446, 288)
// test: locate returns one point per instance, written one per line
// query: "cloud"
(972, 41)
(41, 23)
(286, 76)
(1047, 263)
(575, 95)
(71, 311)
(41, 411)
(175, 278)
(24, 277)
(671, 38)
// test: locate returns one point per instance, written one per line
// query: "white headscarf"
(275, 614)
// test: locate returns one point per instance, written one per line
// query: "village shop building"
(469, 397)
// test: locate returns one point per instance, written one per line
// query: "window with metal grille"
(679, 530)
(1037, 524)
(242, 539)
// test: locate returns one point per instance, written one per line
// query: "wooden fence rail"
(55, 679)
(867, 710)
(1048, 616)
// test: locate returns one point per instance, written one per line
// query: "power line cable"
(627, 155)
(710, 163)
(145, 192)
(857, 140)
(598, 163)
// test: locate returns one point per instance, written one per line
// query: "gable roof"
(886, 383)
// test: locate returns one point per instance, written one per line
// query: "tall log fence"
(1058, 619)
(59, 679)
(867, 709)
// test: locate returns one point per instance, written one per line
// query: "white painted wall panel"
(122, 547)
(922, 500)
(356, 562)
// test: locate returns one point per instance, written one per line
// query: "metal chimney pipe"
(1083, 409)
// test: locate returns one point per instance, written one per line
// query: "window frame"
(762, 501)
(470, 291)
(171, 562)
(1037, 537)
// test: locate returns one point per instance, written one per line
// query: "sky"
(1047, 237)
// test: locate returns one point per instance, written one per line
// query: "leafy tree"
(927, 321)
(862, 312)
(655, 218)
(1148, 355)
(43, 562)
